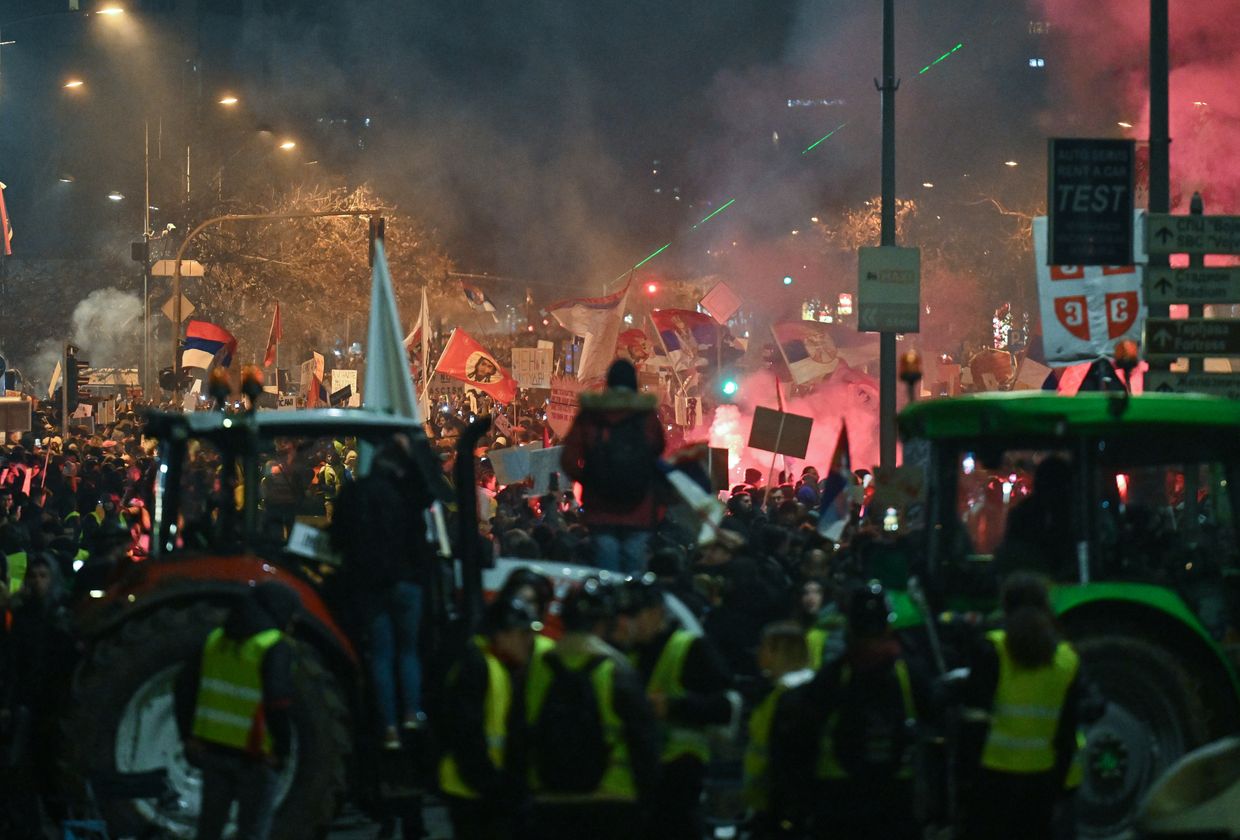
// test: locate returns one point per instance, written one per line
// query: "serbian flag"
(478, 301)
(467, 360)
(273, 338)
(686, 335)
(833, 507)
(807, 348)
(6, 229)
(598, 321)
(205, 344)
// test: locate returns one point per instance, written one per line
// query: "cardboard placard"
(512, 464)
(345, 378)
(563, 406)
(780, 432)
(531, 366)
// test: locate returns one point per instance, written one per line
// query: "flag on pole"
(478, 301)
(273, 338)
(598, 321)
(6, 229)
(807, 348)
(833, 507)
(418, 345)
(207, 344)
(387, 387)
(467, 360)
(687, 335)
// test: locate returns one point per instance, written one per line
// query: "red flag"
(467, 360)
(273, 338)
(6, 229)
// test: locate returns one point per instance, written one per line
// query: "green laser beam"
(811, 146)
(940, 58)
(652, 256)
(715, 213)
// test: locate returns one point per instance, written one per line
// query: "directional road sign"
(889, 289)
(167, 268)
(1219, 384)
(1167, 234)
(1192, 285)
(1192, 338)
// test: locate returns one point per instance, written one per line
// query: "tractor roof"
(309, 422)
(1026, 414)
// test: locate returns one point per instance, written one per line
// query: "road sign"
(721, 302)
(1167, 234)
(167, 268)
(1192, 338)
(1219, 384)
(889, 289)
(187, 308)
(1090, 199)
(1192, 285)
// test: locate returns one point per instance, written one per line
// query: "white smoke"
(107, 329)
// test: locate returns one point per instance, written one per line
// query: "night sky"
(526, 134)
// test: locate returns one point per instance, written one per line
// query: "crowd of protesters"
(782, 608)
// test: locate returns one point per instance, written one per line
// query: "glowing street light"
(1123, 124)
(928, 184)
(111, 11)
(1010, 163)
(288, 145)
(229, 100)
(73, 84)
(115, 196)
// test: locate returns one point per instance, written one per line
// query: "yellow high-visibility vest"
(494, 721)
(617, 783)
(668, 679)
(1025, 716)
(229, 710)
(17, 569)
(828, 765)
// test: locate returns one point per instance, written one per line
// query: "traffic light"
(652, 288)
(729, 385)
(787, 279)
(74, 376)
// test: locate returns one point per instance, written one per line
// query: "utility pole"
(1160, 140)
(887, 339)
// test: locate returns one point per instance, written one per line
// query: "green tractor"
(1139, 535)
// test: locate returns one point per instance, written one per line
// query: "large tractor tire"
(124, 723)
(1154, 716)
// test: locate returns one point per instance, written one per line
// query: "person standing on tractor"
(481, 705)
(687, 682)
(613, 449)
(1029, 680)
(593, 738)
(233, 711)
(379, 529)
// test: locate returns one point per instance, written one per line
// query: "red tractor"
(239, 498)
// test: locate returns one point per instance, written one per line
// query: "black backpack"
(571, 752)
(872, 733)
(619, 464)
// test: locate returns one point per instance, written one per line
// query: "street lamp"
(288, 145)
(110, 10)
(74, 84)
(116, 196)
(229, 100)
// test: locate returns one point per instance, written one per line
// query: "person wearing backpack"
(613, 450)
(687, 683)
(476, 773)
(864, 700)
(592, 737)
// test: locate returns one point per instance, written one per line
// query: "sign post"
(1191, 338)
(1193, 285)
(1090, 201)
(889, 289)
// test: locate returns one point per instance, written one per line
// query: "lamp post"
(106, 11)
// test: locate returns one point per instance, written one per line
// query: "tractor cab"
(241, 498)
(1129, 505)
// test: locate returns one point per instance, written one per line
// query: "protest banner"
(531, 366)
(563, 406)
